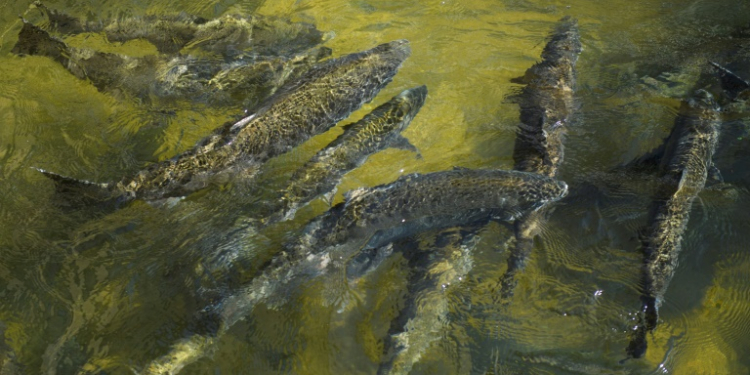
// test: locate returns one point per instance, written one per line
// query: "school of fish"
(294, 91)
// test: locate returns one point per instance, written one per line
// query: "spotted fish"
(300, 109)
(546, 103)
(371, 218)
(683, 163)
(161, 78)
(378, 130)
(229, 35)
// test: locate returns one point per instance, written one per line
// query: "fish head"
(542, 191)
(554, 190)
(702, 101)
(518, 192)
(408, 104)
(565, 42)
(389, 55)
(361, 75)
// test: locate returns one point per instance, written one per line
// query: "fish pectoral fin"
(714, 176)
(683, 178)
(525, 79)
(649, 162)
(721, 196)
(328, 197)
(402, 143)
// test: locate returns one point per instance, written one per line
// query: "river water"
(89, 293)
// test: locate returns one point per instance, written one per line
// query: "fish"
(231, 36)
(422, 319)
(9, 363)
(369, 218)
(378, 130)
(547, 104)
(682, 163)
(159, 78)
(248, 83)
(302, 108)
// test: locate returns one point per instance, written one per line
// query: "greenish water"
(108, 294)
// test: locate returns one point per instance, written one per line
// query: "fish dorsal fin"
(648, 162)
(400, 142)
(683, 180)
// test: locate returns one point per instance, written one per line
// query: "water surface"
(108, 293)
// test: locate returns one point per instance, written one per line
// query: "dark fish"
(546, 103)
(9, 364)
(370, 218)
(683, 164)
(302, 108)
(229, 35)
(420, 202)
(378, 130)
(422, 321)
(246, 81)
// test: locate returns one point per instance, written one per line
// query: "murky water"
(89, 293)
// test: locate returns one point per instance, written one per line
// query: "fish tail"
(638, 343)
(73, 192)
(650, 313)
(646, 323)
(32, 40)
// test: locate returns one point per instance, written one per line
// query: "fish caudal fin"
(75, 192)
(34, 41)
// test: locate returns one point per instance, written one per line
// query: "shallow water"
(108, 293)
